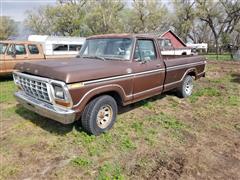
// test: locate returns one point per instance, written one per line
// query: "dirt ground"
(160, 138)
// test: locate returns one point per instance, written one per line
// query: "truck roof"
(126, 35)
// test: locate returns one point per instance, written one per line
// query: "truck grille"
(34, 88)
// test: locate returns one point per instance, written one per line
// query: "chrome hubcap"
(104, 116)
(188, 88)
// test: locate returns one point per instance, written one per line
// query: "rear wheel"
(99, 115)
(186, 87)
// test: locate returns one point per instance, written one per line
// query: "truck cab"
(13, 52)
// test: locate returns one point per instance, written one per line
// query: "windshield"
(107, 48)
(3, 47)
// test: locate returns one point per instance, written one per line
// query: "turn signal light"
(62, 103)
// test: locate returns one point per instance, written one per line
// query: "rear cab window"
(18, 48)
(33, 49)
(165, 43)
(145, 50)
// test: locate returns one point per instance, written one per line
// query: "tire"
(99, 115)
(185, 89)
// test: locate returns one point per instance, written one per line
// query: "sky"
(16, 8)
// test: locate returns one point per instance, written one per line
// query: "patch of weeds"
(83, 137)
(127, 144)
(9, 112)
(7, 171)
(146, 104)
(81, 162)
(137, 126)
(234, 100)
(7, 88)
(150, 140)
(110, 171)
(95, 150)
(210, 91)
(166, 121)
(173, 102)
(107, 137)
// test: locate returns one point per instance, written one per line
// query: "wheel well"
(184, 53)
(114, 94)
(192, 73)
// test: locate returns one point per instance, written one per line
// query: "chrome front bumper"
(45, 109)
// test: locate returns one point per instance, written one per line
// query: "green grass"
(220, 57)
(166, 121)
(130, 150)
(234, 100)
(209, 91)
(81, 162)
(110, 172)
(7, 89)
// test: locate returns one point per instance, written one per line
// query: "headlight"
(58, 92)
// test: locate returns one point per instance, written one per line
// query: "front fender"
(98, 91)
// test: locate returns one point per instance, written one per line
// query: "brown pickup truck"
(12, 52)
(110, 71)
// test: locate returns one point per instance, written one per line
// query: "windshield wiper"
(96, 57)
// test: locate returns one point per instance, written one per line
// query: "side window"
(145, 50)
(168, 43)
(73, 47)
(60, 47)
(20, 49)
(165, 43)
(33, 49)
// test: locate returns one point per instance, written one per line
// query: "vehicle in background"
(167, 48)
(12, 52)
(58, 46)
(110, 71)
(199, 47)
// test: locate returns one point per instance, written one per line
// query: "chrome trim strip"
(123, 76)
(140, 73)
(175, 82)
(142, 92)
(185, 65)
(128, 96)
(110, 85)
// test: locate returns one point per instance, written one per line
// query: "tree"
(66, 18)
(8, 27)
(104, 16)
(221, 16)
(183, 19)
(147, 17)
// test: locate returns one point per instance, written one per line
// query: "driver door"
(15, 53)
(148, 69)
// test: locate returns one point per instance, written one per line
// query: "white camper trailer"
(59, 46)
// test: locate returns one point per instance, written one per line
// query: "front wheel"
(186, 87)
(99, 115)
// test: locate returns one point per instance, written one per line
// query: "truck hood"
(75, 69)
